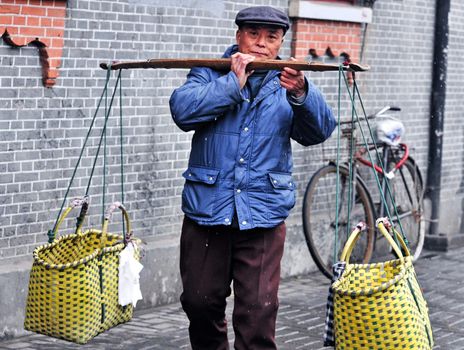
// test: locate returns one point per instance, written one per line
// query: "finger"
(244, 61)
(287, 74)
(287, 80)
(289, 77)
(250, 59)
(285, 86)
(291, 83)
(288, 84)
(291, 71)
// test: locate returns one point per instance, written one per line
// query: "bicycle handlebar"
(372, 116)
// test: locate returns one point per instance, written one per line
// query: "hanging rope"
(383, 167)
(121, 151)
(102, 140)
(337, 184)
(352, 198)
(356, 119)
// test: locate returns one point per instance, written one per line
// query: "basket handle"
(109, 214)
(384, 226)
(381, 223)
(351, 242)
(82, 202)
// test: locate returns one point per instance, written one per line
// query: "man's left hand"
(293, 80)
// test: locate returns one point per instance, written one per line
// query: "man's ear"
(237, 35)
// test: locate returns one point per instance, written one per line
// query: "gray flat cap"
(263, 15)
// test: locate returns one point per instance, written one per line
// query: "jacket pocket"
(282, 181)
(199, 192)
(281, 196)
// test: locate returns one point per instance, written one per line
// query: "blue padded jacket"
(241, 157)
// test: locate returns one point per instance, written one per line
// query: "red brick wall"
(39, 23)
(318, 35)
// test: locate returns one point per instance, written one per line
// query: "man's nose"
(261, 40)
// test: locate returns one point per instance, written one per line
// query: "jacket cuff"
(298, 101)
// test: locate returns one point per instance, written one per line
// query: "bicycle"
(401, 184)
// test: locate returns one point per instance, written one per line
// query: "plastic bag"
(129, 274)
(389, 130)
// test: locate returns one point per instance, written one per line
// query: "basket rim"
(96, 252)
(405, 264)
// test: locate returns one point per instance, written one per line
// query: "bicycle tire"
(408, 190)
(319, 215)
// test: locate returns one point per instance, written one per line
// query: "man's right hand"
(238, 66)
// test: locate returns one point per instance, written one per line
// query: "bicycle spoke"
(407, 193)
(319, 213)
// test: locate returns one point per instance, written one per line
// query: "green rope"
(51, 232)
(365, 141)
(100, 274)
(102, 137)
(371, 159)
(121, 143)
(337, 185)
(386, 179)
(351, 198)
(419, 309)
(104, 160)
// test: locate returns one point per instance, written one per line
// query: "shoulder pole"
(223, 64)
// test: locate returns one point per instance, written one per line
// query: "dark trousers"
(210, 259)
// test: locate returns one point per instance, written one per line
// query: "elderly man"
(239, 188)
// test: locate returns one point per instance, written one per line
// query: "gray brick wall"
(42, 130)
(399, 47)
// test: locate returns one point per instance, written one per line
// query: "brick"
(10, 9)
(4, 242)
(47, 22)
(6, 20)
(32, 21)
(25, 177)
(21, 240)
(56, 12)
(6, 253)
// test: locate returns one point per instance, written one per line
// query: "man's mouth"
(259, 54)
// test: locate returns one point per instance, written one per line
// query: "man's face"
(263, 42)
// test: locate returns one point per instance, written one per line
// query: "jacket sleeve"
(203, 98)
(313, 120)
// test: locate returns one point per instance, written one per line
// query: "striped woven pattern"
(73, 287)
(380, 306)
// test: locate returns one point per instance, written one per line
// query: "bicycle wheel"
(407, 190)
(319, 218)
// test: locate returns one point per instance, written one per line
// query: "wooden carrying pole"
(223, 64)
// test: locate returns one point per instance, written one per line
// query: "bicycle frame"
(387, 157)
(388, 165)
(355, 179)
(398, 165)
(399, 184)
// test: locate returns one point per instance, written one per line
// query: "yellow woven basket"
(380, 306)
(73, 284)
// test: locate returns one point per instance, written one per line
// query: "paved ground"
(300, 320)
